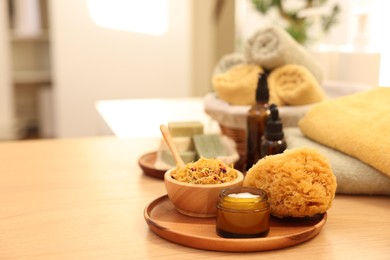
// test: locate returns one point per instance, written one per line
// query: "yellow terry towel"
(358, 125)
(353, 176)
(293, 84)
(272, 46)
(237, 86)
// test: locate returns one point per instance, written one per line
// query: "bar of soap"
(208, 146)
(185, 128)
(186, 156)
(182, 144)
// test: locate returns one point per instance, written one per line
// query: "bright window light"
(140, 16)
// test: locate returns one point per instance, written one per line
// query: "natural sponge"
(298, 182)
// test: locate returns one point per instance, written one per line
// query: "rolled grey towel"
(353, 176)
(228, 61)
(271, 47)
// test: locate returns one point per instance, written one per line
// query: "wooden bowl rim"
(168, 178)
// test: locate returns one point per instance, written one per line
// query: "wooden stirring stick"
(168, 139)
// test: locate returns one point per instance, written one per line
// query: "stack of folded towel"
(354, 131)
(353, 176)
(358, 125)
(294, 79)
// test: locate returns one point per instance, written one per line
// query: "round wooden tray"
(165, 221)
(147, 161)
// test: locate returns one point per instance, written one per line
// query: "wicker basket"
(239, 137)
(232, 121)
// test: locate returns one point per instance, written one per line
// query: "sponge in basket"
(298, 182)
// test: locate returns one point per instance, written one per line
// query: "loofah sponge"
(298, 182)
(237, 86)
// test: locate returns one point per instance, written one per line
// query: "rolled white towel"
(271, 47)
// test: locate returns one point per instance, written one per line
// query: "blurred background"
(58, 58)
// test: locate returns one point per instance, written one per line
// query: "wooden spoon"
(168, 139)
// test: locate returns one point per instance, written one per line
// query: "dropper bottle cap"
(274, 126)
(262, 94)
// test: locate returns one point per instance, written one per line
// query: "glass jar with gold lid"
(242, 212)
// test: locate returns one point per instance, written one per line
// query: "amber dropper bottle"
(256, 118)
(273, 141)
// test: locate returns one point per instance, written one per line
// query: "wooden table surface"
(84, 199)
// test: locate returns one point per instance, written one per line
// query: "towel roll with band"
(271, 47)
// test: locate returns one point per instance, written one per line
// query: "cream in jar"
(242, 212)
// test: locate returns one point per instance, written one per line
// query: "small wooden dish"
(147, 161)
(197, 200)
(165, 221)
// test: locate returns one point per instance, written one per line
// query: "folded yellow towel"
(293, 84)
(237, 86)
(358, 125)
(272, 46)
(353, 176)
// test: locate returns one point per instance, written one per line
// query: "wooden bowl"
(197, 200)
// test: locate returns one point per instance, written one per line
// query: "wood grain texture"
(194, 199)
(167, 222)
(147, 164)
(84, 199)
